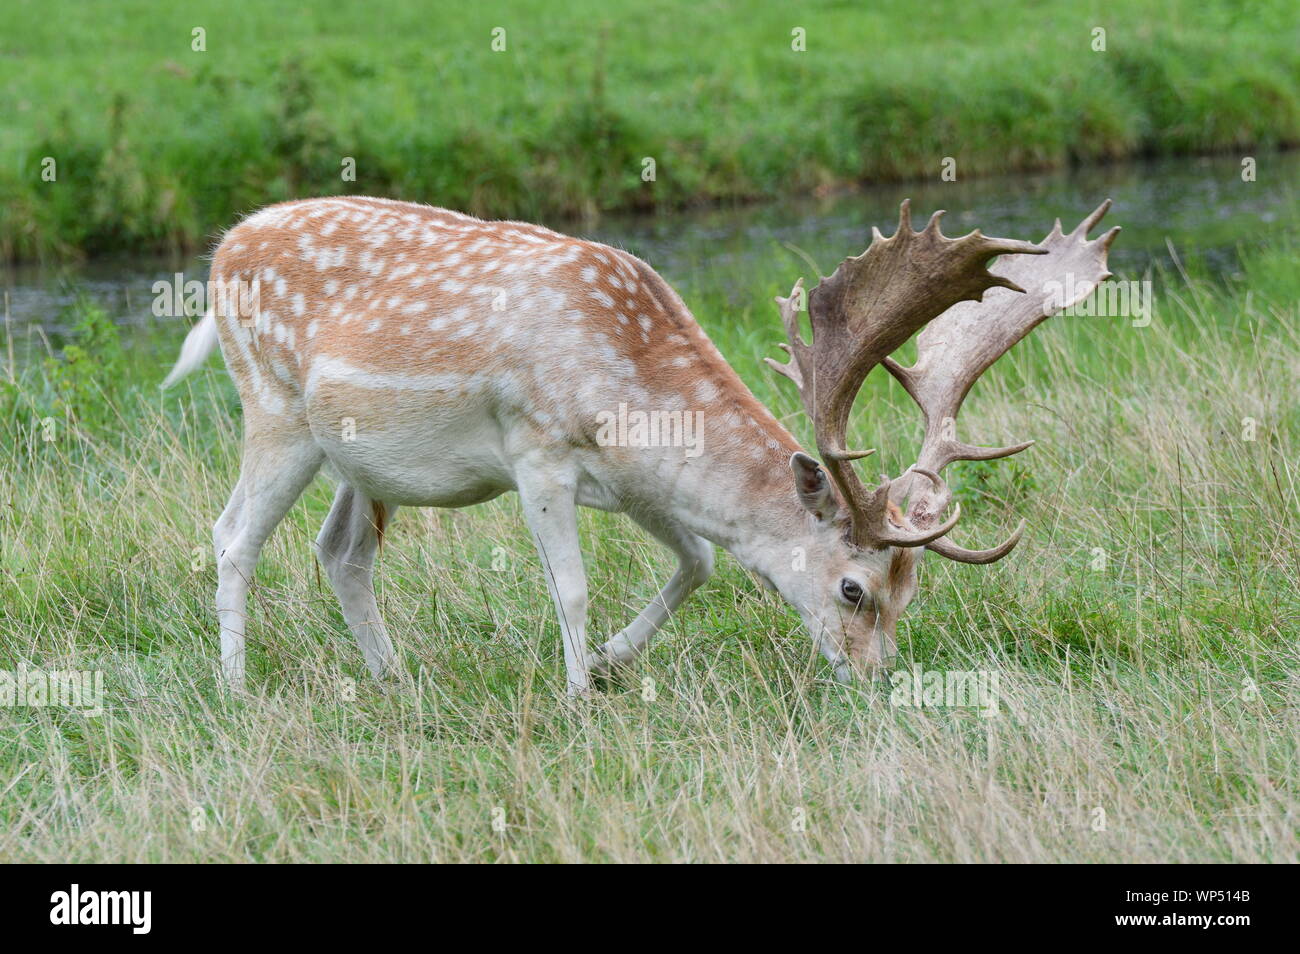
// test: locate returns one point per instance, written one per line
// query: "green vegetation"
(159, 147)
(1144, 635)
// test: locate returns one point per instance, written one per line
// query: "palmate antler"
(960, 345)
(874, 303)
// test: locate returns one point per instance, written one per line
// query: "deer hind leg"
(695, 566)
(273, 475)
(227, 526)
(347, 544)
(550, 507)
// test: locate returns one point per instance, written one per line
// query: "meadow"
(157, 145)
(1144, 634)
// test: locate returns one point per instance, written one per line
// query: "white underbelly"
(434, 448)
(440, 467)
(421, 452)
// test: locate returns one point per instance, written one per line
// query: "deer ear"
(812, 487)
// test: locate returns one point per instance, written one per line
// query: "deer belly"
(422, 450)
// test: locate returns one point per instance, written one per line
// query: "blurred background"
(733, 146)
(165, 123)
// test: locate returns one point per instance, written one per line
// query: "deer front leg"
(550, 507)
(695, 566)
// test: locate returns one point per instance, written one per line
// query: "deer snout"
(872, 653)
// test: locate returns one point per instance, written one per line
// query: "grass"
(158, 147)
(1144, 637)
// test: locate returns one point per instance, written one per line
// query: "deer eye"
(851, 590)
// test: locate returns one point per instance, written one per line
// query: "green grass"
(159, 147)
(1161, 686)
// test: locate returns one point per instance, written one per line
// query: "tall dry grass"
(1143, 637)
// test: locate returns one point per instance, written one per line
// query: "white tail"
(438, 360)
(198, 345)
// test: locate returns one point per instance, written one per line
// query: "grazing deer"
(438, 360)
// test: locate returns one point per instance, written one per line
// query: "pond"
(1196, 209)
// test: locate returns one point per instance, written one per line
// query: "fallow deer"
(435, 359)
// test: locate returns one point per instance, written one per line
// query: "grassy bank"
(1144, 634)
(157, 146)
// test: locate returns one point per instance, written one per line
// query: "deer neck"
(739, 492)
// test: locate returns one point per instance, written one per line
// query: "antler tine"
(904, 216)
(1108, 238)
(794, 369)
(797, 349)
(946, 548)
(959, 346)
(1093, 217)
(899, 538)
(869, 306)
(920, 538)
(789, 369)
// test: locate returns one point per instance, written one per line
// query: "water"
(1198, 209)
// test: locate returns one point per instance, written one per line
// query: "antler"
(860, 314)
(959, 346)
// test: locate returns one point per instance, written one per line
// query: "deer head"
(867, 542)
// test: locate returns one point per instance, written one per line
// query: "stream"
(1173, 211)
